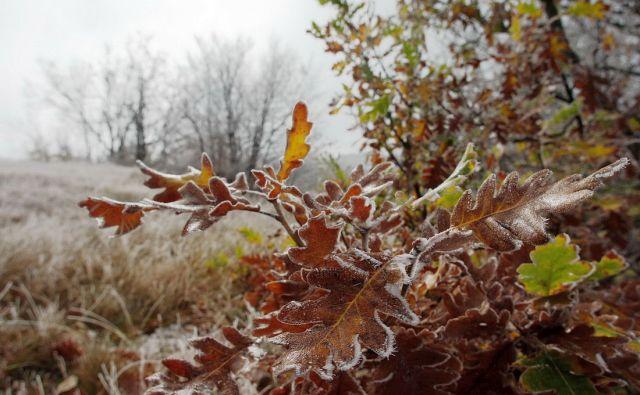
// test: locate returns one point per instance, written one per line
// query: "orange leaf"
(320, 240)
(297, 147)
(172, 182)
(125, 216)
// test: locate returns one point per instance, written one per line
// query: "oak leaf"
(297, 147)
(556, 268)
(550, 371)
(320, 241)
(268, 182)
(582, 342)
(124, 216)
(503, 219)
(609, 265)
(205, 209)
(478, 322)
(348, 319)
(172, 182)
(418, 367)
(214, 364)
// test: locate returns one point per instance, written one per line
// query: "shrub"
(535, 84)
(477, 299)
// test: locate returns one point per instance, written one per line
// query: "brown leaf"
(267, 181)
(482, 322)
(582, 342)
(214, 364)
(270, 326)
(124, 216)
(348, 319)
(361, 209)
(205, 209)
(343, 384)
(503, 219)
(320, 240)
(172, 182)
(417, 367)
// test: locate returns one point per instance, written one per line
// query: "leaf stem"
(281, 218)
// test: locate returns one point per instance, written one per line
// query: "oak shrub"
(478, 298)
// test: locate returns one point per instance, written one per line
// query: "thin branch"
(285, 224)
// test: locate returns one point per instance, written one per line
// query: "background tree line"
(224, 98)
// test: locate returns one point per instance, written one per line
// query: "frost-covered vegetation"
(77, 306)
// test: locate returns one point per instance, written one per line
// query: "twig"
(281, 218)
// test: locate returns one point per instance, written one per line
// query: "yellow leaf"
(557, 47)
(634, 124)
(608, 41)
(529, 8)
(587, 9)
(515, 29)
(297, 147)
(250, 235)
(600, 151)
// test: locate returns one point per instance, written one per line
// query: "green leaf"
(449, 197)
(467, 165)
(411, 53)
(587, 9)
(379, 108)
(609, 265)
(549, 371)
(556, 268)
(564, 114)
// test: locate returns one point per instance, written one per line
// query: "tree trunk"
(138, 120)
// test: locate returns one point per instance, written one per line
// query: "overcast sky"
(74, 30)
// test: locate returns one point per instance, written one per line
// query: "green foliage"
(219, 260)
(336, 171)
(610, 265)
(585, 8)
(550, 371)
(556, 268)
(449, 197)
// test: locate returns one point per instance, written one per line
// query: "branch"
(281, 218)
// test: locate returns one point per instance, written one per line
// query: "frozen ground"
(77, 305)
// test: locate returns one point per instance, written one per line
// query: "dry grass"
(64, 284)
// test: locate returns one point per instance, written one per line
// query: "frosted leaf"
(348, 319)
(504, 218)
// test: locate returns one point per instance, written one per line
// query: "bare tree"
(234, 103)
(225, 99)
(114, 104)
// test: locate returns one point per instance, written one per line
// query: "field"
(82, 310)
